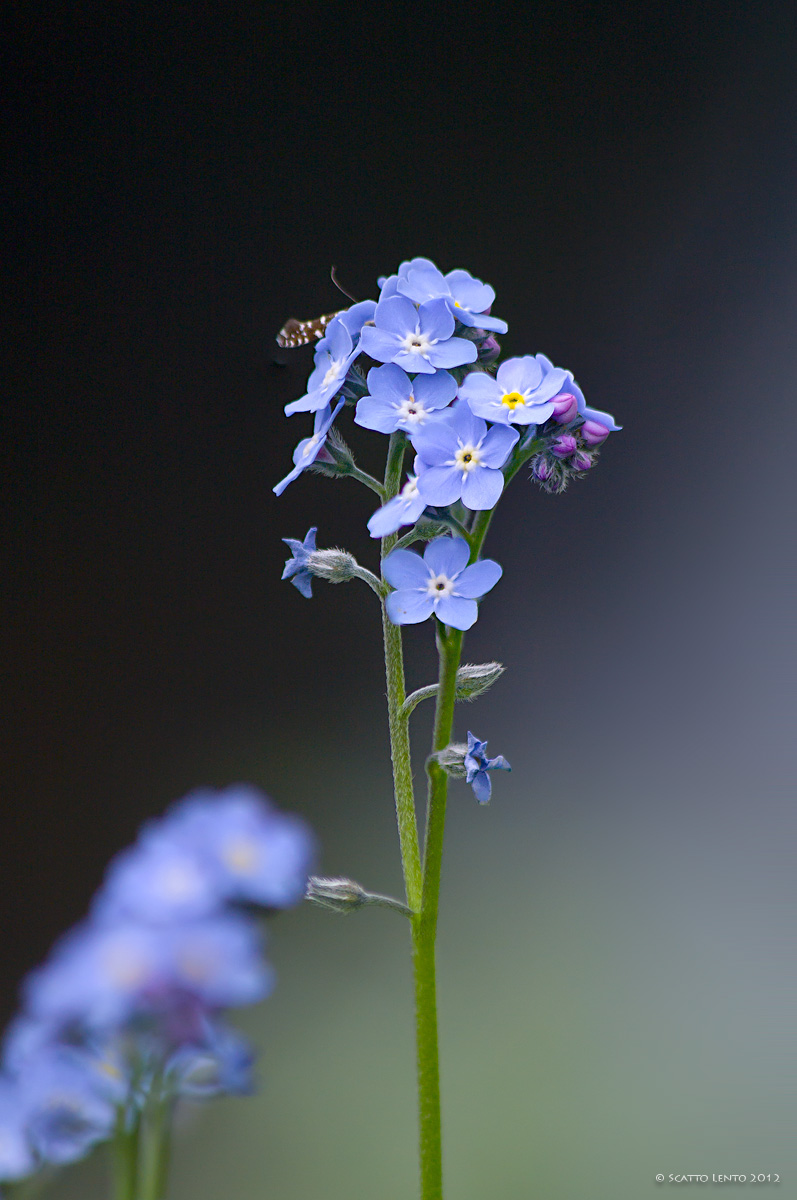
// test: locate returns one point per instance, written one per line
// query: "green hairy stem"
(422, 881)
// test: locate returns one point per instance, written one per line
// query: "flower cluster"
(131, 1002)
(437, 386)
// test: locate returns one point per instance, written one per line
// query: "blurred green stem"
(156, 1146)
(124, 1154)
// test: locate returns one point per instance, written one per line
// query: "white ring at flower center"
(467, 458)
(439, 586)
(417, 343)
(413, 411)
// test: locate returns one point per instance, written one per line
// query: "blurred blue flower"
(477, 764)
(257, 854)
(157, 880)
(296, 567)
(419, 340)
(463, 459)
(310, 448)
(220, 1063)
(396, 402)
(69, 1104)
(16, 1154)
(103, 976)
(441, 583)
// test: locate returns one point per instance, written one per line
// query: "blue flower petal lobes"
(482, 787)
(457, 612)
(478, 579)
(447, 556)
(453, 353)
(409, 607)
(481, 489)
(379, 344)
(440, 485)
(405, 569)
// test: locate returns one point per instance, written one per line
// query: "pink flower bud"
(540, 469)
(490, 349)
(565, 407)
(593, 433)
(582, 462)
(564, 446)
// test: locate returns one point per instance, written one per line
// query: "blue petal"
(405, 569)
(436, 442)
(313, 401)
(378, 344)
(397, 315)
(423, 283)
(411, 361)
(482, 488)
(498, 445)
(440, 485)
(303, 581)
(520, 374)
(389, 383)
(453, 353)
(380, 414)
(435, 391)
(478, 385)
(435, 321)
(478, 579)
(397, 512)
(480, 320)
(409, 607)
(447, 556)
(469, 428)
(595, 414)
(471, 293)
(482, 787)
(355, 317)
(459, 613)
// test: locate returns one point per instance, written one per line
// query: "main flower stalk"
(422, 882)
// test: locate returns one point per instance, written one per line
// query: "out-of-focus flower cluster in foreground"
(128, 1012)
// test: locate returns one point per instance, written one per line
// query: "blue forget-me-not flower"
(441, 583)
(477, 764)
(463, 458)
(467, 298)
(296, 568)
(521, 392)
(334, 354)
(417, 339)
(394, 401)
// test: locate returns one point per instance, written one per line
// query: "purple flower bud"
(565, 408)
(564, 446)
(540, 469)
(582, 462)
(489, 351)
(593, 433)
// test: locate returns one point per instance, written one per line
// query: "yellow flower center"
(512, 400)
(240, 856)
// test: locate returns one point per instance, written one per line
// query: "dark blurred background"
(617, 932)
